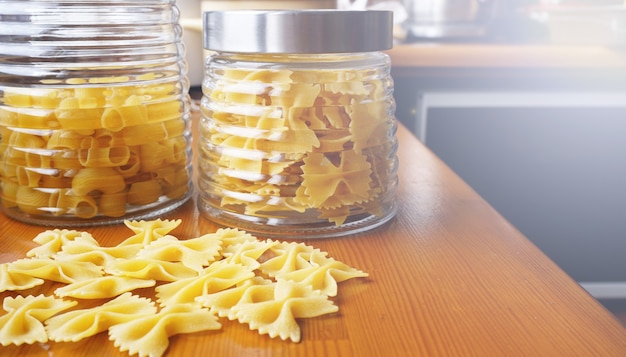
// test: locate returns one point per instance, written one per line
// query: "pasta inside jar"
(84, 151)
(298, 145)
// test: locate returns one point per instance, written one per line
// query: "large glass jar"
(297, 135)
(94, 111)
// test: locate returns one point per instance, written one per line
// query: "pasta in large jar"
(297, 135)
(94, 111)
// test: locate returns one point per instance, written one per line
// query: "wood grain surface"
(448, 277)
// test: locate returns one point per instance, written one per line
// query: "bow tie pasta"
(266, 284)
(297, 150)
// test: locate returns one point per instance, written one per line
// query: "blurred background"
(524, 99)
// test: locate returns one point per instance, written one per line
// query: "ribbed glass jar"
(296, 144)
(94, 111)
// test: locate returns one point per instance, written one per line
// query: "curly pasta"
(79, 143)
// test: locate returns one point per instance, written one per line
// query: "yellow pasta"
(143, 192)
(275, 309)
(84, 207)
(288, 126)
(89, 251)
(100, 179)
(132, 167)
(49, 137)
(247, 253)
(288, 257)
(55, 270)
(113, 204)
(72, 117)
(149, 335)
(195, 253)
(31, 200)
(27, 178)
(13, 281)
(52, 241)
(323, 274)
(131, 113)
(218, 276)
(222, 302)
(79, 324)
(150, 269)
(228, 273)
(91, 154)
(148, 231)
(23, 322)
(103, 287)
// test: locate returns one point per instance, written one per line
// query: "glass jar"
(94, 111)
(297, 134)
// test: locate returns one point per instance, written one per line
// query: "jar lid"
(298, 31)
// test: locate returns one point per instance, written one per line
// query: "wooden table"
(448, 276)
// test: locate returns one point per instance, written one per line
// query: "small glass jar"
(94, 111)
(297, 135)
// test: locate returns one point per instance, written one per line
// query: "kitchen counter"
(448, 276)
(497, 56)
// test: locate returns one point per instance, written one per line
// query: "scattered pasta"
(229, 273)
(78, 324)
(23, 321)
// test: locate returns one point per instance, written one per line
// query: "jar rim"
(298, 31)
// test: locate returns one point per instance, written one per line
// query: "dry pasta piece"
(333, 184)
(23, 322)
(368, 125)
(218, 276)
(30, 200)
(222, 302)
(276, 315)
(338, 215)
(148, 231)
(79, 324)
(99, 179)
(12, 281)
(231, 236)
(87, 251)
(150, 269)
(55, 270)
(323, 274)
(107, 286)
(149, 335)
(144, 192)
(194, 253)
(289, 257)
(247, 253)
(52, 241)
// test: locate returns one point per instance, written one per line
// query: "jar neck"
(328, 60)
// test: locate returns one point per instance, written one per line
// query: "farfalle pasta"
(149, 335)
(267, 284)
(24, 317)
(79, 324)
(15, 280)
(219, 276)
(195, 253)
(75, 151)
(103, 287)
(296, 146)
(276, 307)
(63, 271)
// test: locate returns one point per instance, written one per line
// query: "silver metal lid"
(298, 31)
